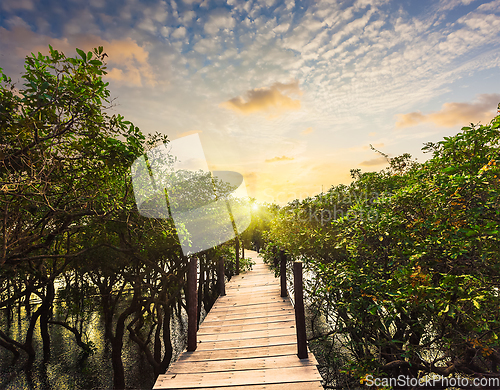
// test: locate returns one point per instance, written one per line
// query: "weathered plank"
(225, 316)
(255, 319)
(185, 367)
(247, 326)
(240, 353)
(238, 378)
(240, 336)
(246, 343)
(280, 386)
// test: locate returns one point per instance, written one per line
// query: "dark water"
(68, 368)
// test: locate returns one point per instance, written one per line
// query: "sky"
(289, 93)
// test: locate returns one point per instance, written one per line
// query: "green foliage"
(68, 215)
(61, 157)
(246, 264)
(406, 260)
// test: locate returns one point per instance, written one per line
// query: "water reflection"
(68, 367)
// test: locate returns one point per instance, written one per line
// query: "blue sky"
(288, 93)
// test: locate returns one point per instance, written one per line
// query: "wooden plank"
(252, 288)
(268, 292)
(267, 306)
(236, 353)
(189, 367)
(266, 333)
(276, 386)
(234, 315)
(256, 342)
(257, 301)
(243, 296)
(255, 319)
(238, 378)
(247, 327)
(250, 301)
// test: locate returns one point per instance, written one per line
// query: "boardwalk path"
(247, 341)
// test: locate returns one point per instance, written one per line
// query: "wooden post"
(283, 274)
(300, 319)
(221, 277)
(237, 249)
(192, 304)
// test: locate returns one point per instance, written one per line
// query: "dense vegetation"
(69, 226)
(405, 263)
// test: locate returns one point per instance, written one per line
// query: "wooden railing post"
(283, 273)
(192, 303)
(237, 250)
(300, 319)
(221, 277)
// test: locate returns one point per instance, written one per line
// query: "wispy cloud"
(309, 130)
(273, 99)
(282, 158)
(453, 114)
(219, 19)
(374, 162)
(9, 5)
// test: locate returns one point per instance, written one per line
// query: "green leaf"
(89, 55)
(470, 233)
(82, 54)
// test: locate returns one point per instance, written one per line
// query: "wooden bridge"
(247, 341)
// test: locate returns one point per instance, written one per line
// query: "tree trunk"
(116, 348)
(45, 314)
(167, 357)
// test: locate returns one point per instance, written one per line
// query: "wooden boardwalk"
(247, 341)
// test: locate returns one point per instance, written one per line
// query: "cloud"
(179, 33)
(374, 161)
(410, 119)
(219, 19)
(16, 21)
(127, 62)
(10, 5)
(282, 158)
(309, 130)
(453, 114)
(266, 99)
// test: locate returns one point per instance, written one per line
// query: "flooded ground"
(68, 368)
